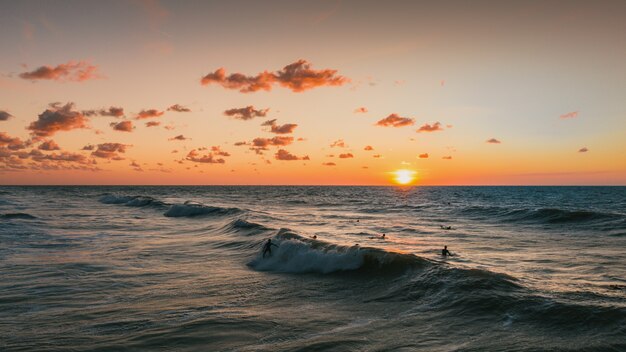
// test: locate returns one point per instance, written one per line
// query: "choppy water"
(179, 269)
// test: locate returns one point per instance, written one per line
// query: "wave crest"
(190, 209)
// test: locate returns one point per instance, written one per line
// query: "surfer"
(314, 237)
(446, 252)
(267, 248)
(446, 227)
(382, 237)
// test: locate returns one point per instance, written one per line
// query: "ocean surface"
(180, 269)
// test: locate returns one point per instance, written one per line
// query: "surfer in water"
(267, 248)
(446, 252)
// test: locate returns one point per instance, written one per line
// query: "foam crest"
(190, 209)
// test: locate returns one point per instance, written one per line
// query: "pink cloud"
(430, 128)
(298, 76)
(423, 156)
(150, 113)
(361, 110)
(124, 126)
(282, 154)
(58, 118)
(280, 129)
(208, 158)
(338, 143)
(180, 137)
(178, 108)
(49, 145)
(570, 115)
(12, 143)
(110, 151)
(153, 123)
(346, 156)
(70, 71)
(329, 164)
(368, 147)
(247, 113)
(394, 120)
(112, 111)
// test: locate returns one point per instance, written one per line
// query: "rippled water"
(179, 269)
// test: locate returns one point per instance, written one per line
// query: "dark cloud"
(71, 71)
(58, 118)
(346, 156)
(180, 137)
(395, 120)
(12, 143)
(570, 115)
(178, 108)
(282, 154)
(112, 111)
(240, 143)
(247, 113)
(89, 147)
(49, 145)
(493, 141)
(430, 128)
(280, 129)
(153, 123)
(124, 126)
(110, 151)
(4, 115)
(298, 76)
(147, 114)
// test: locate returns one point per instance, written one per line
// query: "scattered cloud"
(346, 156)
(112, 111)
(110, 151)
(12, 143)
(377, 156)
(147, 114)
(280, 129)
(49, 145)
(178, 108)
(282, 154)
(247, 113)
(423, 156)
(583, 150)
(430, 128)
(58, 118)
(298, 76)
(368, 147)
(153, 123)
(493, 141)
(339, 143)
(4, 115)
(124, 126)
(180, 137)
(570, 115)
(447, 157)
(395, 120)
(208, 158)
(361, 110)
(329, 164)
(70, 71)
(89, 147)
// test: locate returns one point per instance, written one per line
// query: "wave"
(24, 216)
(191, 209)
(131, 201)
(543, 215)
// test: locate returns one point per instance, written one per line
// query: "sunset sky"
(318, 92)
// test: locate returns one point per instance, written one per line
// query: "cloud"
(361, 110)
(346, 156)
(280, 129)
(153, 123)
(89, 147)
(124, 126)
(110, 151)
(493, 141)
(135, 166)
(209, 158)
(12, 143)
(329, 164)
(276, 141)
(368, 147)
(70, 71)
(58, 118)
(583, 150)
(569, 115)
(240, 143)
(448, 157)
(4, 115)
(377, 156)
(112, 111)
(49, 145)
(180, 137)
(150, 113)
(339, 143)
(430, 128)
(395, 120)
(247, 113)
(282, 154)
(178, 108)
(423, 156)
(298, 76)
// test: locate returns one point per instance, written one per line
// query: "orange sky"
(334, 92)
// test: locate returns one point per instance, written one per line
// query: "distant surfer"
(267, 248)
(382, 237)
(446, 252)
(314, 237)
(446, 227)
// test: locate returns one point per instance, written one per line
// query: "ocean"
(181, 269)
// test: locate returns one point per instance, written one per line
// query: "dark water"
(178, 269)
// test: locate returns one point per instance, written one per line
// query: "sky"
(313, 93)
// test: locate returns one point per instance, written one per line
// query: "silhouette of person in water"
(446, 252)
(314, 237)
(382, 237)
(267, 248)
(446, 227)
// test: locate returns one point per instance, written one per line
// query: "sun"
(403, 176)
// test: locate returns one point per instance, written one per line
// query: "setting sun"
(403, 176)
